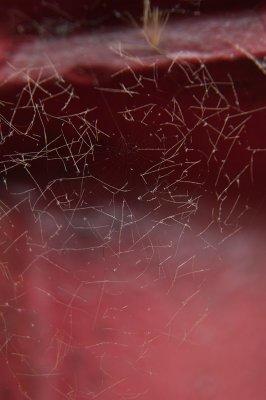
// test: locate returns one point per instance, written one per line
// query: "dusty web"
(116, 201)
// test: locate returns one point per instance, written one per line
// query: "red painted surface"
(132, 215)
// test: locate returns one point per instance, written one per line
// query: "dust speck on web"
(115, 203)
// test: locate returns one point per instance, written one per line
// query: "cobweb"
(117, 202)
